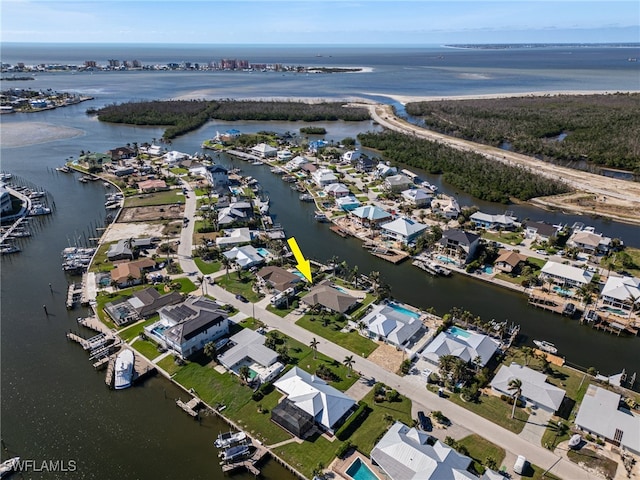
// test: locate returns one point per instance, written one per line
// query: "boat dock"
(425, 266)
(191, 407)
(546, 302)
(554, 359)
(340, 231)
(142, 368)
(74, 295)
(249, 463)
(389, 254)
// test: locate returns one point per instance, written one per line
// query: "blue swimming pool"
(159, 330)
(487, 269)
(403, 310)
(263, 252)
(444, 259)
(358, 470)
(562, 291)
(458, 332)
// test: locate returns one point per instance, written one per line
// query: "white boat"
(123, 371)
(227, 439)
(320, 216)
(235, 453)
(546, 346)
(9, 466)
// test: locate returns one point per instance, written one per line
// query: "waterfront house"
(308, 168)
(602, 413)
(235, 236)
(124, 171)
(235, 213)
(337, 190)
(120, 250)
(417, 197)
(403, 230)
(278, 278)
(464, 344)
(317, 145)
(370, 215)
(494, 222)
(95, 158)
(347, 203)
(391, 325)
(217, 176)
(121, 153)
(405, 453)
(126, 274)
(292, 418)
(174, 158)
(153, 185)
(565, 275)
(383, 170)
(148, 301)
(459, 244)
(263, 150)
(351, 156)
(621, 293)
(151, 150)
(296, 163)
(187, 327)
(323, 177)
(445, 206)
(329, 297)
(245, 256)
(247, 348)
(327, 405)
(540, 231)
(509, 261)
(587, 241)
(284, 155)
(397, 183)
(364, 165)
(535, 389)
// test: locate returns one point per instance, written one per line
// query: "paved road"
(412, 386)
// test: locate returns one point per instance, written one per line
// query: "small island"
(24, 100)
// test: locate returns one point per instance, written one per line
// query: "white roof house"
(235, 236)
(566, 274)
(370, 214)
(463, 344)
(173, 157)
(314, 396)
(386, 323)
(348, 202)
(397, 183)
(296, 163)
(403, 229)
(249, 350)
(600, 414)
(619, 292)
(246, 256)
(535, 388)
(448, 207)
(384, 170)
(492, 222)
(417, 196)
(323, 177)
(405, 453)
(337, 189)
(263, 150)
(284, 155)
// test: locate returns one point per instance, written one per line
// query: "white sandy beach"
(22, 134)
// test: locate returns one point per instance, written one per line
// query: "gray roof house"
(329, 297)
(403, 229)
(148, 301)
(397, 183)
(418, 197)
(391, 325)
(459, 244)
(463, 344)
(565, 274)
(540, 231)
(246, 256)
(405, 453)
(601, 415)
(535, 388)
(248, 349)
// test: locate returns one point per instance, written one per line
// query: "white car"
(520, 465)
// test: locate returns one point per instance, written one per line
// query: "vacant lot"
(146, 214)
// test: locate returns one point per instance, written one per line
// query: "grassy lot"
(359, 313)
(186, 285)
(512, 238)
(168, 364)
(535, 472)
(307, 455)
(146, 348)
(179, 171)
(158, 198)
(616, 263)
(283, 312)
(207, 267)
(554, 435)
(493, 409)
(537, 262)
(257, 421)
(100, 261)
(129, 333)
(352, 341)
(592, 460)
(236, 286)
(480, 449)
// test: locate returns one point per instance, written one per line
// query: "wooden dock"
(340, 231)
(142, 368)
(94, 323)
(191, 407)
(390, 255)
(249, 463)
(546, 302)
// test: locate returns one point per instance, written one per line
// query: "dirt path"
(595, 194)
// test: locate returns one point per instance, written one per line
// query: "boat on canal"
(233, 454)
(229, 439)
(546, 346)
(9, 466)
(123, 370)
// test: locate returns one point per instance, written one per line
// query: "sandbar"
(22, 134)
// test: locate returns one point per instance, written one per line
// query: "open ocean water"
(55, 407)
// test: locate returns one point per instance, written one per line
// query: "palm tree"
(130, 279)
(314, 346)
(515, 385)
(527, 352)
(375, 279)
(348, 362)
(203, 283)
(130, 243)
(210, 350)
(226, 263)
(244, 373)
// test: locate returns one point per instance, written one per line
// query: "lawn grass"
(186, 285)
(535, 472)
(283, 312)
(352, 341)
(179, 170)
(359, 313)
(480, 449)
(593, 461)
(131, 332)
(512, 238)
(243, 286)
(493, 409)
(168, 364)
(207, 267)
(258, 423)
(146, 348)
(381, 416)
(100, 261)
(167, 197)
(306, 456)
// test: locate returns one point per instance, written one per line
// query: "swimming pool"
(263, 252)
(159, 330)
(444, 259)
(403, 310)
(458, 332)
(358, 470)
(562, 291)
(487, 269)
(617, 311)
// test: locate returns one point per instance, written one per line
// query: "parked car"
(520, 465)
(424, 422)
(242, 298)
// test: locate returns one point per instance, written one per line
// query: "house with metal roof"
(245, 256)
(494, 222)
(263, 150)
(347, 203)
(327, 405)
(187, 327)
(464, 344)
(403, 229)
(535, 389)
(323, 177)
(391, 325)
(337, 190)
(370, 215)
(405, 453)
(601, 414)
(459, 244)
(622, 293)
(418, 197)
(567, 275)
(247, 348)
(329, 297)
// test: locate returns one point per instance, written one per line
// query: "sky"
(355, 22)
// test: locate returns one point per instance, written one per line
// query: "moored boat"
(228, 439)
(546, 346)
(235, 453)
(123, 371)
(320, 216)
(9, 466)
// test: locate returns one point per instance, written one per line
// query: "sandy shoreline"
(22, 134)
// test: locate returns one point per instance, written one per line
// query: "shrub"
(343, 449)
(354, 421)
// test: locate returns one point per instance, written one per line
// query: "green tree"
(349, 362)
(210, 350)
(244, 372)
(314, 346)
(515, 386)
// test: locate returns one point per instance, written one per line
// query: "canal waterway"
(56, 407)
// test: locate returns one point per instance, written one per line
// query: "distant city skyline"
(357, 22)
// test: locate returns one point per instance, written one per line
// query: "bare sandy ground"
(22, 134)
(596, 194)
(122, 231)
